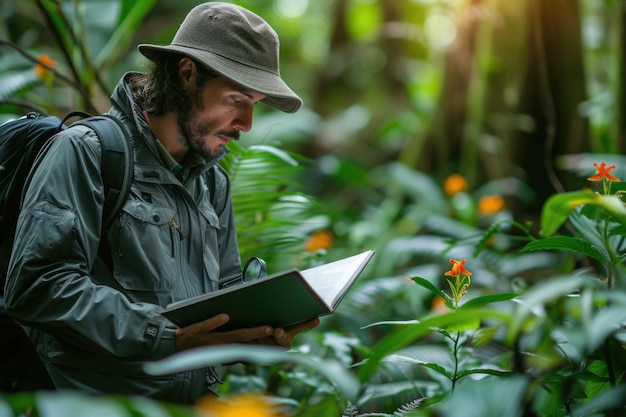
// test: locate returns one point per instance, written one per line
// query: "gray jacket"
(95, 329)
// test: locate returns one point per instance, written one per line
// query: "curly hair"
(159, 91)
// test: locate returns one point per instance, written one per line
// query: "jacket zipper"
(179, 233)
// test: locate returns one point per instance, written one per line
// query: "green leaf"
(133, 14)
(261, 355)
(484, 371)
(614, 205)
(268, 203)
(567, 243)
(77, 404)
(486, 299)
(558, 207)
(409, 333)
(327, 407)
(542, 293)
(21, 402)
(423, 282)
(484, 335)
(390, 322)
(13, 82)
(604, 323)
(431, 365)
(490, 396)
(611, 399)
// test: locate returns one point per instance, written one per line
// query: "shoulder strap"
(117, 157)
(218, 184)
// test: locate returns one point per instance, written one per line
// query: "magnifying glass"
(254, 269)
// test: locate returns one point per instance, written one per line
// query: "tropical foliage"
(475, 145)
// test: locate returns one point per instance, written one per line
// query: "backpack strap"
(117, 157)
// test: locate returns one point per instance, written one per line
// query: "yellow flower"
(321, 239)
(40, 69)
(248, 405)
(454, 184)
(490, 204)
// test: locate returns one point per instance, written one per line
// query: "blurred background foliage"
(425, 123)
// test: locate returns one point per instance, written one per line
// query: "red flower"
(603, 172)
(457, 269)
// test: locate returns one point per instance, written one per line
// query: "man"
(92, 297)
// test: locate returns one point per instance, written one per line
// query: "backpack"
(23, 143)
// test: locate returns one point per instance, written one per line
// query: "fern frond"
(409, 407)
(267, 200)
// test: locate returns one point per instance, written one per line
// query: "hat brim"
(278, 94)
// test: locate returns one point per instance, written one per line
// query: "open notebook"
(279, 300)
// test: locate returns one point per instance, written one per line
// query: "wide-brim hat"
(235, 43)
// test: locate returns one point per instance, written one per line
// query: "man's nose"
(243, 122)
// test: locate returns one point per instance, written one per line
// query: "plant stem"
(609, 362)
(456, 359)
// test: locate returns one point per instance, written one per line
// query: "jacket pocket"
(143, 246)
(50, 230)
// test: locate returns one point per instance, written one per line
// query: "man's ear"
(187, 71)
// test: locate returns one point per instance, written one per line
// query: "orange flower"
(248, 405)
(490, 204)
(603, 172)
(454, 184)
(40, 69)
(321, 239)
(459, 283)
(457, 268)
(438, 305)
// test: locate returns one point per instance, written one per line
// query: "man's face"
(215, 114)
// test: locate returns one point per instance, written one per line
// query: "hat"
(235, 43)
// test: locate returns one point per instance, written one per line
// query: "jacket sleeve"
(49, 286)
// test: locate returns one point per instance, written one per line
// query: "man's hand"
(206, 333)
(284, 337)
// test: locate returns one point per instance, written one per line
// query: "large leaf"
(487, 397)
(410, 333)
(557, 209)
(68, 403)
(13, 82)
(567, 243)
(487, 299)
(544, 292)
(344, 381)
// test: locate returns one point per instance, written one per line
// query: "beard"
(192, 131)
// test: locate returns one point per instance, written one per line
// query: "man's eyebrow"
(248, 93)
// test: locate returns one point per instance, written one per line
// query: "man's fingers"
(284, 337)
(211, 324)
(294, 330)
(207, 333)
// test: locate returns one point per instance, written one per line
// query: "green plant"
(270, 207)
(558, 343)
(89, 38)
